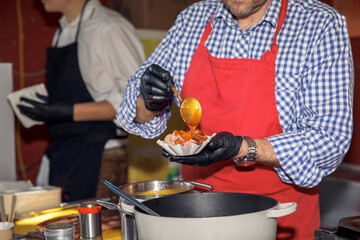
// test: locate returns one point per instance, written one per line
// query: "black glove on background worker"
(155, 88)
(223, 145)
(45, 111)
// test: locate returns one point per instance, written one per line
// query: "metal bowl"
(136, 189)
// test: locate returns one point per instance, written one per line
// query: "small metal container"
(90, 220)
(60, 231)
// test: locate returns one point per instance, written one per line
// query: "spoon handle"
(176, 92)
(129, 198)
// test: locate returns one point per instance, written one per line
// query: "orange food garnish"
(185, 138)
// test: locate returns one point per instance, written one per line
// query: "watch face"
(244, 162)
(248, 163)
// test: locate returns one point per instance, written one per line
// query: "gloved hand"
(155, 88)
(223, 145)
(44, 111)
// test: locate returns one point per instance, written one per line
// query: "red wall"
(26, 30)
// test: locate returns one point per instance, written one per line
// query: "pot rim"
(154, 181)
(262, 212)
(275, 206)
(189, 186)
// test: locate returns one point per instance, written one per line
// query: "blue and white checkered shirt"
(314, 79)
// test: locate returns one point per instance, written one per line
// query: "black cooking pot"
(210, 205)
(211, 216)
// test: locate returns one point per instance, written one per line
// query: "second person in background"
(93, 54)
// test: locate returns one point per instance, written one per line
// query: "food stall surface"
(36, 207)
(37, 222)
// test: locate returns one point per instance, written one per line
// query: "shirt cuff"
(296, 163)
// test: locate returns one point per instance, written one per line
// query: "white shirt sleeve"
(108, 59)
(117, 58)
(109, 51)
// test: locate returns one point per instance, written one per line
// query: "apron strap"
(78, 27)
(58, 36)
(274, 47)
(206, 32)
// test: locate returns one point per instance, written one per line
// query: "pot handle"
(113, 206)
(203, 185)
(108, 205)
(282, 209)
(126, 212)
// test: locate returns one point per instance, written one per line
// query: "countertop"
(28, 224)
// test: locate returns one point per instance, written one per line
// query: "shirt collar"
(271, 16)
(88, 11)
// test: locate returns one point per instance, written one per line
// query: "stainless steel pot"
(156, 185)
(210, 216)
(128, 223)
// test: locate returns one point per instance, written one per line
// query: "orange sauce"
(193, 120)
(181, 136)
(192, 129)
(160, 192)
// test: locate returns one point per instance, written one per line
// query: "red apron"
(238, 95)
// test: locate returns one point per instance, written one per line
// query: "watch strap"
(250, 158)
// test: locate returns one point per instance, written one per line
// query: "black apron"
(76, 147)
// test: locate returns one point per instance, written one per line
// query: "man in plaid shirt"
(275, 82)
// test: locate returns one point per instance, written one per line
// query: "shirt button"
(244, 35)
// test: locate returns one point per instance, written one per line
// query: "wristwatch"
(250, 158)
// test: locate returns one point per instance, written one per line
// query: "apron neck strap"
(206, 32)
(78, 27)
(80, 21)
(281, 20)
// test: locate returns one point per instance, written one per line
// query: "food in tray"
(181, 143)
(185, 138)
(193, 141)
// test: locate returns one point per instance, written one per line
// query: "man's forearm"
(265, 152)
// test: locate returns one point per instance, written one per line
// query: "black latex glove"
(155, 88)
(223, 145)
(44, 111)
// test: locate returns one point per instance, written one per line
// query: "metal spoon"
(176, 92)
(190, 110)
(129, 198)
